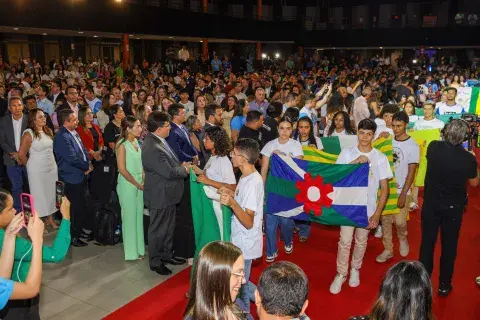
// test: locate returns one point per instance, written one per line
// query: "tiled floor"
(92, 282)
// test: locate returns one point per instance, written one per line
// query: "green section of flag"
(475, 101)
(331, 217)
(205, 221)
(331, 145)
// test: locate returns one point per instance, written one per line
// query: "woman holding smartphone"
(24, 255)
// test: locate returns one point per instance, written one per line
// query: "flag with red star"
(332, 194)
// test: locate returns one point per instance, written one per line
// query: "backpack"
(107, 230)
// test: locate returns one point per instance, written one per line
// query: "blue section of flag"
(303, 164)
(358, 178)
(357, 214)
(279, 169)
(277, 203)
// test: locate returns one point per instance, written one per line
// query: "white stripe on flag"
(292, 164)
(352, 196)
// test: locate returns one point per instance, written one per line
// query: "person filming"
(449, 167)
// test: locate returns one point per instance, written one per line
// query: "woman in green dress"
(130, 188)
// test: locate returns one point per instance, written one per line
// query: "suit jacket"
(87, 138)
(70, 161)
(164, 175)
(61, 95)
(181, 144)
(7, 138)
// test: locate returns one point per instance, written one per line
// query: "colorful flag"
(333, 194)
(383, 145)
(205, 222)
(474, 106)
(334, 145)
(423, 138)
(469, 99)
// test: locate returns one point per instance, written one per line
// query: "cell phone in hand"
(59, 193)
(27, 206)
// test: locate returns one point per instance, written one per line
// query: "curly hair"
(221, 141)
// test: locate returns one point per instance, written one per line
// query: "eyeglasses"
(240, 275)
(232, 154)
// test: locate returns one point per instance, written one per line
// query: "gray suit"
(163, 190)
(7, 138)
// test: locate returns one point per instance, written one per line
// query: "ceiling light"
(201, 40)
(380, 47)
(138, 38)
(95, 36)
(80, 32)
(264, 55)
(118, 0)
(44, 34)
(277, 55)
(414, 61)
(131, 35)
(170, 37)
(16, 29)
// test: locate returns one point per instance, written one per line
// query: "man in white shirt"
(94, 103)
(309, 111)
(406, 156)
(183, 54)
(11, 129)
(428, 121)
(42, 101)
(360, 107)
(185, 102)
(247, 206)
(118, 96)
(238, 90)
(450, 106)
(379, 174)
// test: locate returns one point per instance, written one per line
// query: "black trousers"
(75, 193)
(160, 235)
(449, 221)
(21, 310)
(184, 235)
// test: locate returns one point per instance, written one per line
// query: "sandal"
(303, 239)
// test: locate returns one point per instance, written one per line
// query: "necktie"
(77, 138)
(186, 134)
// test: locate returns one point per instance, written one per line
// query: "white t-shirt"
(220, 169)
(292, 148)
(404, 153)
(381, 127)
(188, 107)
(317, 140)
(442, 108)
(336, 134)
(423, 124)
(379, 170)
(249, 195)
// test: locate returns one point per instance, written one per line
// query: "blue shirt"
(46, 105)
(260, 107)
(237, 122)
(216, 63)
(6, 289)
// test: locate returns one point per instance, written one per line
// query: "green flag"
(205, 222)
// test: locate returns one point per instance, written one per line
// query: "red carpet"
(317, 258)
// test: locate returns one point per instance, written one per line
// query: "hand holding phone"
(59, 193)
(27, 206)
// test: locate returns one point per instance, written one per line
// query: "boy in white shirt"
(247, 206)
(379, 174)
(188, 105)
(406, 156)
(429, 121)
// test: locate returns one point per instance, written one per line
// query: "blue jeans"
(15, 174)
(303, 227)
(286, 232)
(247, 291)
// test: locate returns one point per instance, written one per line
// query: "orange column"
(205, 6)
(259, 15)
(125, 52)
(300, 51)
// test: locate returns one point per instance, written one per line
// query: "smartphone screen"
(59, 193)
(27, 206)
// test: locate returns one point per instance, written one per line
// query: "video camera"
(474, 121)
(471, 118)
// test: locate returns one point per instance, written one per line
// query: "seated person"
(220, 263)
(405, 293)
(282, 292)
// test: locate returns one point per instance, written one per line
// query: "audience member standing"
(37, 143)
(163, 190)
(360, 107)
(90, 134)
(111, 133)
(73, 166)
(130, 188)
(11, 128)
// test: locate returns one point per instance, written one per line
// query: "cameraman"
(449, 167)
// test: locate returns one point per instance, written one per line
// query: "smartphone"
(27, 206)
(59, 193)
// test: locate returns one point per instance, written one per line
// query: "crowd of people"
(149, 126)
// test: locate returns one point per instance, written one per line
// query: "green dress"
(131, 202)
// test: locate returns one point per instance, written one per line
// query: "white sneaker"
(270, 259)
(404, 248)
(384, 256)
(337, 283)
(354, 280)
(378, 232)
(289, 249)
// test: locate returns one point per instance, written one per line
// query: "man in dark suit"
(56, 91)
(11, 129)
(71, 103)
(178, 139)
(163, 190)
(73, 167)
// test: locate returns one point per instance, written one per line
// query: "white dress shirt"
(17, 131)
